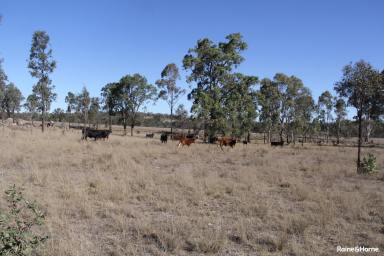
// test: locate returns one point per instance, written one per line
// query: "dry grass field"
(135, 196)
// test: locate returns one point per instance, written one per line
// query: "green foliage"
(17, 236)
(71, 101)
(268, 98)
(325, 106)
(40, 65)
(11, 101)
(129, 95)
(211, 67)
(83, 101)
(58, 114)
(169, 91)
(363, 86)
(369, 164)
(240, 103)
(109, 97)
(3, 83)
(94, 108)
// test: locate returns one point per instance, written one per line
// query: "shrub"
(17, 237)
(368, 165)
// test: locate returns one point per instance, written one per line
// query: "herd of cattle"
(184, 140)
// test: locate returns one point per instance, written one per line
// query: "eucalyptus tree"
(209, 65)
(12, 99)
(268, 99)
(83, 102)
(41, 65)
(325, 107)
(362, 86)
(288, 90)
(341, 113)
(3, 83)
(169, 91)
(71, 101)
(94, 109)
(240, 103)
(131, 93)
(304, 108)
(31, 105)
(109, 100)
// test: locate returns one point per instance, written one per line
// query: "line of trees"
(224, 101)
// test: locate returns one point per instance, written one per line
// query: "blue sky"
(97, 42)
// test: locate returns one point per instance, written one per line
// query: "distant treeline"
(224, 101)
(349, 128)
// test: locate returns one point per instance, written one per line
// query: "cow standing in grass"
(277, 143)
(164, 138)
(186, 141)
(226, 141)
(96, 134)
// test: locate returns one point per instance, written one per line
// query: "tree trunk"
(368, 130)
(43, 119)
(171, 121)
(125, 126)
(85, 119)
(110, 122)
(269, 134)
(359, 143)
(132, 129)
(281, 135)
(338, 133)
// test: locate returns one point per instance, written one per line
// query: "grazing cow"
(96, 134)
(185, 141)
(149, 135)
(164, 138)
(226, 141)
(277, 143)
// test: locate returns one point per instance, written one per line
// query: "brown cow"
(226, 141)
(185, 141)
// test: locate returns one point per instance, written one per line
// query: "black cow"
(277, 143)
(164, 138)
(149, 135)
(192, 136)
(96, 134)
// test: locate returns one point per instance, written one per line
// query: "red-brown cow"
(185, 141)
(226, 141)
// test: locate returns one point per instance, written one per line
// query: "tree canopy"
(40, 65)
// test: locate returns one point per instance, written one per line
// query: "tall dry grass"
(135, 196)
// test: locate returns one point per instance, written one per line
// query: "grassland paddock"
(136, 196)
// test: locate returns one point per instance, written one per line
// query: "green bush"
(17, 225)
(369, 164)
